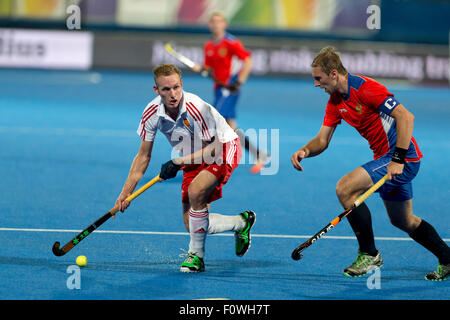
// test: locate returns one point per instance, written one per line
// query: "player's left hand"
(169, 170)
(394, 169)
(234, 87)
(298, 156)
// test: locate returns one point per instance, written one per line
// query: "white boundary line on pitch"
(125, 133)
(285, 236)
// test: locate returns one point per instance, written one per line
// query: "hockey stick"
(296, 254)
(57, 251)
(191, 64)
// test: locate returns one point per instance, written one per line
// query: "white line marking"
(284, 236)
(69, 131)
(213, 299)
(125, 133)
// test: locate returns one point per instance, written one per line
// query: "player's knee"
(197, 194)
(343, 190)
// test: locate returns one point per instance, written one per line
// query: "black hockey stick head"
(296, 255)
(56, 249)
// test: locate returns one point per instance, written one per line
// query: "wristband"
(399, 155)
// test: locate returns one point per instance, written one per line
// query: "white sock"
(219, 223)
(198, 227)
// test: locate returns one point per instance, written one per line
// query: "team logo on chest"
(186, 123)
(359, 108)
(223, 52)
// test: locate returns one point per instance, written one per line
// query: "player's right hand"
(197, 68)
(297, 157)
(121, 203)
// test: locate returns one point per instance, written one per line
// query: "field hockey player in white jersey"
(209, 151)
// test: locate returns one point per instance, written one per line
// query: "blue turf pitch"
(68, 139)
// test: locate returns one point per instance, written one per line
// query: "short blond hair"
(328, 59)
(165, 70)
(219, 14)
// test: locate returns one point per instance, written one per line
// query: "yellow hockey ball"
(81, 261)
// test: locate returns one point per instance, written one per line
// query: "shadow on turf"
(31, 262)
(132, 266)
(223, 268)
(171, 264)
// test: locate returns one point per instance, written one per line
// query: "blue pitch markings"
(68, 139)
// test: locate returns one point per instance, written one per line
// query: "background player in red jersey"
(387, 125)
(230, 64)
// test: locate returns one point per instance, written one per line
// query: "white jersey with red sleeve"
(196, 125)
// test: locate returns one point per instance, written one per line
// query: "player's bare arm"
(243, 75)
(211, 150)
(137, 171)
(207, 154)
(245, 72)
(405, 125)
(314, 147)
